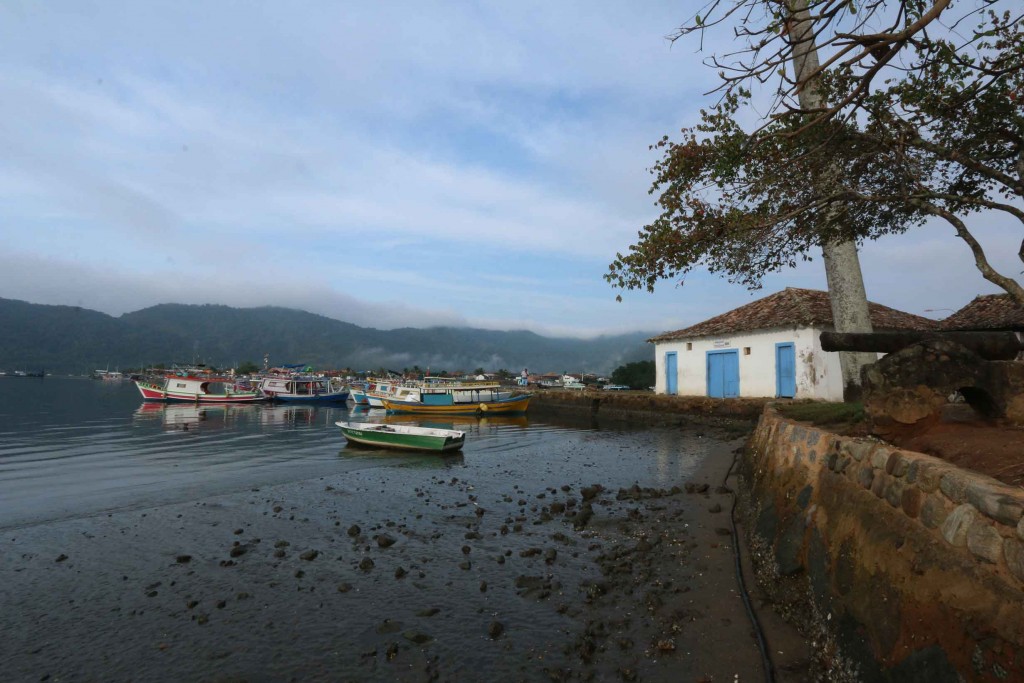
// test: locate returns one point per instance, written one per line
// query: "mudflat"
(607, 556)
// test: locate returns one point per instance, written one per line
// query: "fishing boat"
(405, 437)
(377, 390)
(303, 388)
(23, 373)
(460, 391)
(357, 392)
(444, 404)
(196, 387)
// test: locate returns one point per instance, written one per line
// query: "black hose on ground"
(762, 645)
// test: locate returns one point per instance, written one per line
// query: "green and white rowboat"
(405, 437)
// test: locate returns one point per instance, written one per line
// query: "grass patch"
(823, 414)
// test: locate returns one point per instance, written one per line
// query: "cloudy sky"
(385, 163)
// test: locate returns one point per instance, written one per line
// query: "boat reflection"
(287, 414)
(465, 423)
(415, 459)
(184, 417)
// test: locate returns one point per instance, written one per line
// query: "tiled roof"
(793, 307)
(988, 312)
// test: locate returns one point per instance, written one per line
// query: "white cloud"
(386, 164)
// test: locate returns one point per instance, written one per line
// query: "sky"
(384, 163)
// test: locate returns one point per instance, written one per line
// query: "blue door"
(785, 370)
(724, 374)
(671, 374)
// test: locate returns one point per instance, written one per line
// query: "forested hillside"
(68, 339)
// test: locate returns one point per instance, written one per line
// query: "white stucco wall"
(818, 374)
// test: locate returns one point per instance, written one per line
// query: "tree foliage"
(919, 119)
(638, 375)
(247, 368)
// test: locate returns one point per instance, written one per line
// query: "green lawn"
(824, 414)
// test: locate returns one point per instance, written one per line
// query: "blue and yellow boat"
(444, 404)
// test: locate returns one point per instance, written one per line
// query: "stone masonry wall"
(647, 408)
(920, 563)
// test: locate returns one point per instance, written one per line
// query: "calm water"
(76, 447)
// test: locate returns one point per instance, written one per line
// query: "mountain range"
(70, 339)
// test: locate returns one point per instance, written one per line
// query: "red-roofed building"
(769, 347)
(990, 313)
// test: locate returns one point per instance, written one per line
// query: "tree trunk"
(842, 266)
(849, 309)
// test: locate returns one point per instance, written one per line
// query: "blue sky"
(388, 164)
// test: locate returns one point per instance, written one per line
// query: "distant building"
(769, 347)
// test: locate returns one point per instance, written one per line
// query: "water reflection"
(421, 460)
(71, 447)
(188, 416)
(465, 423)
(287, 415)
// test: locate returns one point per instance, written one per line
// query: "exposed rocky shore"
(580, 564)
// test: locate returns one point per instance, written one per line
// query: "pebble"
(354, 530)
(309, 555)
(417, 637)
(495, 630)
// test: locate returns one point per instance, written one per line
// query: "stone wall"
(919, 565)
(647, 408)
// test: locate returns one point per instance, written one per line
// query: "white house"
(769, 347)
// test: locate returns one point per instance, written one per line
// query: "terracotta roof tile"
(793, 307)
(988, 312)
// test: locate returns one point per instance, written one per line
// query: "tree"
(247, 368)
(638, 375)
(913, 121)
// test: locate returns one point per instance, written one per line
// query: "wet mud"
(604, 558)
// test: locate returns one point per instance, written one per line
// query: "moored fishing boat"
(443, 404)
(460, 391)
(303, 388)
(357, 392)
(186, 387)
(405, 437)
(377, 390)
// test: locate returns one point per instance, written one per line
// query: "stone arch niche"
(906, 392)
